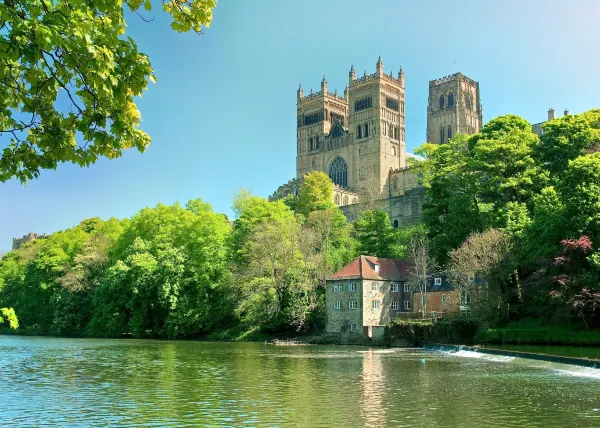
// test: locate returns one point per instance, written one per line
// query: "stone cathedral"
(358, 139)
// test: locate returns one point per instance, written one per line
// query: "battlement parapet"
(365, 78)
(450, 78)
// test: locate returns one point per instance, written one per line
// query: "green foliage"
(316, 193)
(169, 274)
(8, 315)
(566, 138)
(279, 283)
(332, 237)
(539, 336)
(75, 54)
(486, 180)
(251, 211)
(409, 330)
(580, 190)
(375, 234)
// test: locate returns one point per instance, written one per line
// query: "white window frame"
(375, 286)
(352, 286)
(406, 288)
(437, 281)
(353, 326)
(337, 306)
(407, 304)
(376, 305)
(353, 304)
(395, 306)
(395, 287)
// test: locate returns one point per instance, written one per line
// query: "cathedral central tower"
(454, 107)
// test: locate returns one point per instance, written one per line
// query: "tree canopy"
(69, 76)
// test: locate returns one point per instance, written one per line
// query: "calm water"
(79, 382)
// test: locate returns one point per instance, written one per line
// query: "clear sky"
(222, 113)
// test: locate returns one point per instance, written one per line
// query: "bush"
(409, 330)
(461, 330)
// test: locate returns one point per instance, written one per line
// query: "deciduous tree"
(68, 78)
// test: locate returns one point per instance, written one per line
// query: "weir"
(502, 355)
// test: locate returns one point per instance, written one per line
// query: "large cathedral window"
(338, 172)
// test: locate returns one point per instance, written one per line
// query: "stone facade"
(454, 107)
(359, 140)
(19, 242)
(366, 294)
(362, 133)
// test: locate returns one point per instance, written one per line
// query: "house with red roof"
(365, 295)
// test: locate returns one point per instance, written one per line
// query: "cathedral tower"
(356, 138)
(454, 107)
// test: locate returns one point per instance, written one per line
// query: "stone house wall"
(340, 320)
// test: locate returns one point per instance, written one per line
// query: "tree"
(251, 212)
(422, 266)
(332, 237)
(316, 193)
(575, 289)
(481, 181)
(375, 235)
(566, 138)
(279, 284)
(167, 278)
(74, 54)
(580, 193)
(483, 266)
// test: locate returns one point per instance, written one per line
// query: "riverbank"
(559, 359)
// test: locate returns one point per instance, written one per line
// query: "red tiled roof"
(363, 267)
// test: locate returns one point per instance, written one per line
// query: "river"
(88, 382)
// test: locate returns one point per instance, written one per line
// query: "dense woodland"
(518, 211)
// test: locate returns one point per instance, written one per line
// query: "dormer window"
(376, 268)
(437, 281)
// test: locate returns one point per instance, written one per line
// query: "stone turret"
(324, 85)
(351, 76)
(401, 77)
(379, 67)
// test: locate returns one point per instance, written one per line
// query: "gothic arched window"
(441, 135)
(395, 182)
(366, 130)
(449, 132)
(337, 199)
(441, 102)
(345, 200)
(450, 100)
(338, 172)
(396, 224)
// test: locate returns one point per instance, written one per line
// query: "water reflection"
(373, 411)
(140, 383)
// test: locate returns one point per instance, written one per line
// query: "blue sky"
(222, 113)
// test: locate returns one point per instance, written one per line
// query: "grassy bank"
(532, 332)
